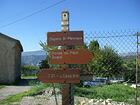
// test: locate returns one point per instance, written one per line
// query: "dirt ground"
(11, 90)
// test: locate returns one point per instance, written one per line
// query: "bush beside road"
(115, 92)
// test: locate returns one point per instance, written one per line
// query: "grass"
(17, 98)
(2, 86)
(116, 92)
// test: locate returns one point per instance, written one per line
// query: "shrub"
(116, 92)
(29, 70)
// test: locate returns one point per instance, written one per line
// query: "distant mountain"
(33, 57)
(129, 55)
(40, 52)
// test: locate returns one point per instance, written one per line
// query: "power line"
(34, 13)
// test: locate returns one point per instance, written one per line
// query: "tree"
(130, 72)
(106, 62)
(109, 64)
(44, 64)
(94, 46)
(47, 49)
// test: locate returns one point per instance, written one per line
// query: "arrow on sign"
(72, 56)
(59, 75)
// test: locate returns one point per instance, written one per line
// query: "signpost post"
(67, 90)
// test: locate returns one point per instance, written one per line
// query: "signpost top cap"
(65, 11)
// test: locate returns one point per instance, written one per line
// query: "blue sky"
(86, 15)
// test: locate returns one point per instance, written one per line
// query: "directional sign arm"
(73, 56)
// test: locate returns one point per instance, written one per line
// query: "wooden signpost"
(68, 38)
(59, 75)
(65, 56)
(71, 56)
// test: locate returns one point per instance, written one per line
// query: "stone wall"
(9, 58)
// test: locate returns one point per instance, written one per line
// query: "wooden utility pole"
(67, 90)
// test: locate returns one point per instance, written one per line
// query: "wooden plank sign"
(72, 56)
(59, 75)
(69, 38)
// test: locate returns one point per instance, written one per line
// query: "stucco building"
(10, 59)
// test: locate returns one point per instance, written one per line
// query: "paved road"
(11, 90)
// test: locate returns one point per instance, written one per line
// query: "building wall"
(7, 61)
(17, 62)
